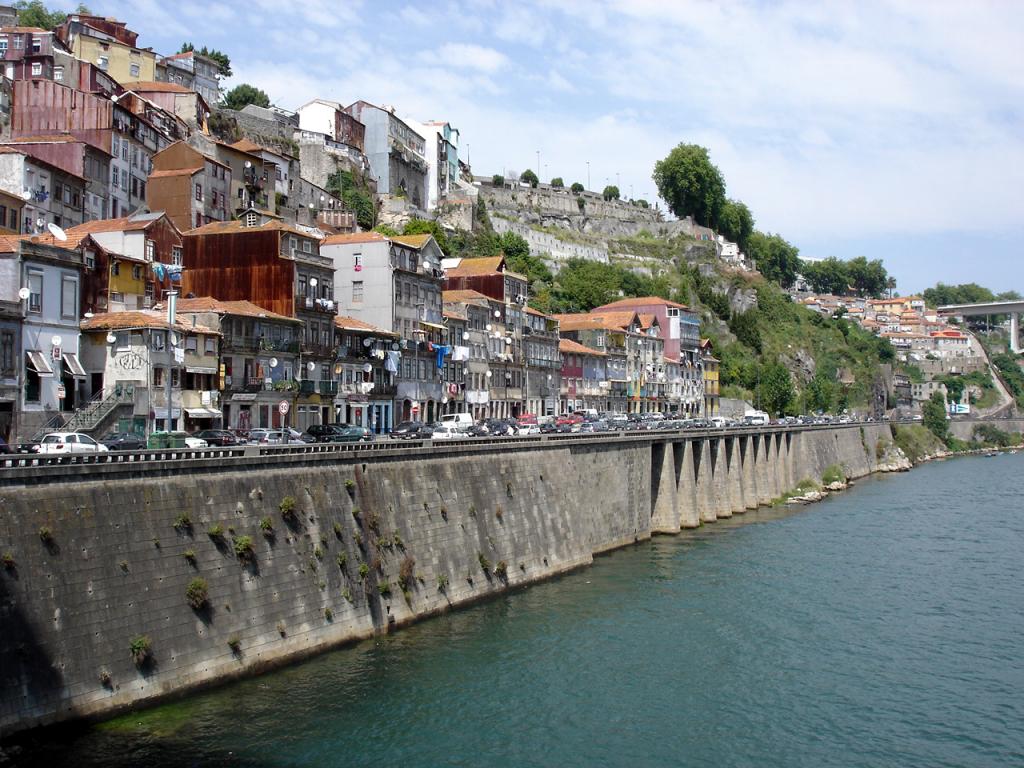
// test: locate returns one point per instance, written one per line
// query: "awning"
(244, 397)
(161, 413)
(37, 362)
(203, 413)
(71, 361)
(200, 369)
(432, 325)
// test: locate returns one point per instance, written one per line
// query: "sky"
(880, 128)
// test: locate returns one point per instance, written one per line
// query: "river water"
(881, 627)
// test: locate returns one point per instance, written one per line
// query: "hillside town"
(140, 248)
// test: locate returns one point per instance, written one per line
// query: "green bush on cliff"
(915, 441)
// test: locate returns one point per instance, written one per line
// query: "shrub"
(235, 644)
(46, 535)
(364, 571)
(833, 474)
(576, 187)
(328, 614)
(8, 561)
(318, 553)
(190, 556)
(355, 513)
(287, 508)
(267, 525)
(124, 565)
(342, 560)
(183, 523)
(397, 540)
(498, 180)
(405, 572)
(499, 513)
(243, 547)
(337, 530)
(373, 521)
(141, 648)
(197, 592)
(384, 588)
(350, 485)
(442, 582)
(485, 564)
(346, 593)
(104, 678)
(501, 569)
(359, 539)
(215, 532)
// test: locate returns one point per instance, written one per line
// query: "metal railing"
(88, 416)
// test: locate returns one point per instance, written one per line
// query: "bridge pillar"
(1015, 332)
(723, 502)
(761, 470)
(735, 478)
(747, 461)
(686, 492)
(773, 469)
(705, 481)
(664, 506)
(786, 449)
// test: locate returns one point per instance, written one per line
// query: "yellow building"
(10, 213)
(110, 45)
(711, 382)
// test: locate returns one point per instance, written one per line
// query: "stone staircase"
(91, 418)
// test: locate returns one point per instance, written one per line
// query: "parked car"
(124, 441)
(477, 430)
(350, 434)
(406, 430)
(266, 436)
(69, 442)
(447, 431)
(528, 429)
(190, 441)
(295, 436)
(218, 437)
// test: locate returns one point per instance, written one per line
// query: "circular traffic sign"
(283, 407)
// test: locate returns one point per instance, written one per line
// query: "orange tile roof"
(646, 320)
(413, 241)
(463, 296)
(245, 145)
(33, 30)
(174, 172)
(241, 308)
(487, 265)
(155, 86)
(356, 237)
(452, 315)
(641, 301)
(531, 311)
(234, 227)
(612, 321)
(142, 318)
(574, 348)
(9, 243)
(347, 323)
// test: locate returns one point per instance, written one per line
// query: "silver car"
(69, 442)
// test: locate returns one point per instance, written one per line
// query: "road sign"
(283, 407)
(61, 394)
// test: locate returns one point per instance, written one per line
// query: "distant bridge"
(1012, 308)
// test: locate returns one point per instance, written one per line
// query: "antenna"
(57, 232)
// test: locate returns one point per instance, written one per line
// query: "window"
(115, 269)
(35, 292)
(37, 44)
(357, 292)
(210, 347)
(191, 344)
(176, 255)
(13, 223)
(158, 377)
(307, 246)
(58, 74)
(18, 42)
(69, 297)
(136, 272)
(103, 62)
(3, 45)
(251, 219)
(159, 339)
(134, 70)
(150, 250)
(199, 192)
(37, 68)
(7, 352)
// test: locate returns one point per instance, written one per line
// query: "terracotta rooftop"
(488, 265)
(244, 145)
(143, 318)
(16, 30)
(413, 241)
(174, 172)
(568, 346)
(238, 308)
(451, 314)
(463, 296)
(347, 323)
(642, 301)
(647, 320)
(234, 227)
(357, 237)
(612, 321)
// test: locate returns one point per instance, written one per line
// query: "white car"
(196, 442)
(69, 442)
(528, 429)
(447, 432)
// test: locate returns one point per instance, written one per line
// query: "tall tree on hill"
(611, 192)
(965, 293)
(529, 177)
(242, 95)
(690, 184)
(775, 390)
(775, 258)
(868, 278)
(736, 223)
(32, 13)
(933, 416)
(826, 276)
(426, 227)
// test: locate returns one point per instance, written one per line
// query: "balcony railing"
(328, 387)
(308, 303)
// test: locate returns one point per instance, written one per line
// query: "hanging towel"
(441, 352)
(391, 363)
(460, 353)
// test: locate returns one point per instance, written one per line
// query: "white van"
(462, 420)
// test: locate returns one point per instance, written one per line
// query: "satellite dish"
(394, 346)
(111, 338)
(24, 293)
(367, 368)
(87, 315)
(488, 374)
(273, 362)
(313, 282)
(56, 340)
(508, 340)
(174, 339)
(57, 232)
(26, 194)
(488, 327)
(311, 366)
(248, 164)
(497, 313)
(367, 342)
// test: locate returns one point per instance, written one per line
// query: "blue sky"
(879, 128)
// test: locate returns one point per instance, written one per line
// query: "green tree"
(642, 203)
(529, 177)
(33, 13)
(557, 182)
(744, 327)
(868, 278)
(965, 293)
(356, 196)
(827, 276)
(775, 391)
(933, 416)
(513, 245)
(222, 59)
(611, 192)
(775, 258)
(576, 188)
(386, 230)
(821, 392)
(736, 223)
(584, 284)
(498, 180)
(243, 95)
(425, 227)
(690, 184)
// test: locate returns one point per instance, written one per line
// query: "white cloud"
(467, 56)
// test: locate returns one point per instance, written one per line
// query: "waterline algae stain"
(880, 627)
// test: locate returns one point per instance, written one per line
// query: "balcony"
(328, 387)
(309, 304)
(319, 350)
